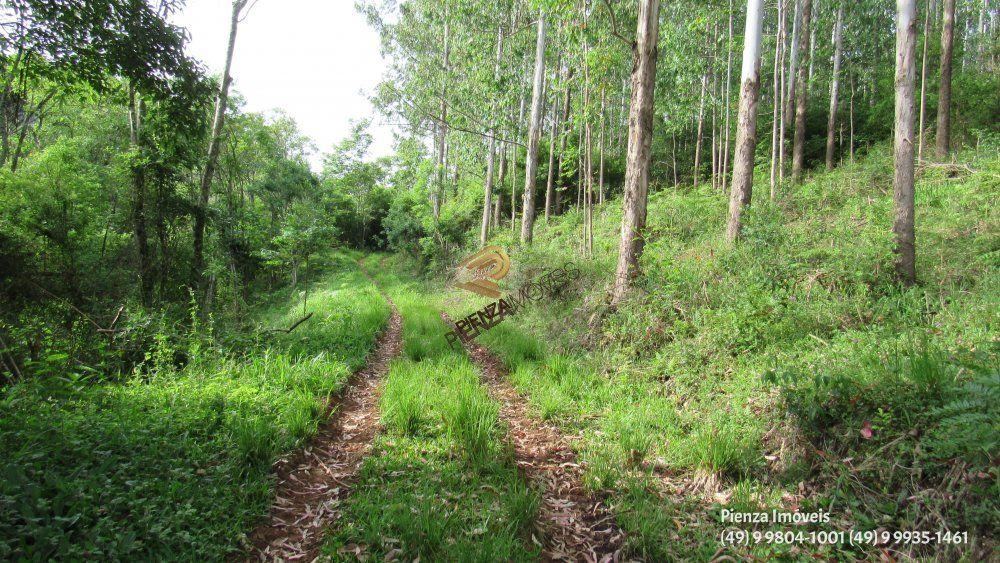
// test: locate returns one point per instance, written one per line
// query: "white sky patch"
(318, 60)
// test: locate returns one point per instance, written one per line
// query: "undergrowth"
(790, 370)
(173, 463)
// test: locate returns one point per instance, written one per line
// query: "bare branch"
(614, 25)
(293, 327)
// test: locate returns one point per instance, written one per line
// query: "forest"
(640, 280)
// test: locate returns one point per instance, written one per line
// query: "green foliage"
(173, 463)
(737, 361)
(452, 492)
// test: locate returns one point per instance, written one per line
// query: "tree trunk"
(600, 152)
(534, 134)
(787, 110)
(729, 72)
(501, 179)
(923, 80)
(640, 137)
(443, 121)
(562, 142)
(851, 147)
(214, 144)
(139, 204)
(902, 184)
(801, 95)
(944, 90)
(550, 180)
(701, 121)
(673, 156)
(831, 123)
(588, 182)
(484, 231)
(746, 134)
(812, 46)
(513, 157)
(779, 95)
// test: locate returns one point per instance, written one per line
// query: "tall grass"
(174, 464)
(441, 484)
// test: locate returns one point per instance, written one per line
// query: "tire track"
(313, 481)
(576, 525)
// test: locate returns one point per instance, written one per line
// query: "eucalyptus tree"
(640, 137)
(491, 150)
(831, 123)
(790, 90)
(801, 95)
(944, 89)
(923, 79)
(779, 92)
(534, 134)
(902, 183)
(746, 133)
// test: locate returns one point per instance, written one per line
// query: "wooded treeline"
(133, 180)
(135, 186)
(554, 106)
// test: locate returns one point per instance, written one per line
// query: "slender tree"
(923, 80)
(746, 133)
(831, 123)
(728, 97)
(787, 110)
(801, 96)
(442, 119)
(550, 180)
(564, 134)
(902, 184)
(944, 90)
(779, 93)
(484, 231)
(701, 121)
(534, 135)
(640, 137)
(600, 152)
(214, 144)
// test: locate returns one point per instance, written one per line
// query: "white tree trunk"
(600, 152)
(779, 91)
(701, 122)
(801, 96)
(534, 133)
(786, 111)
(831, 123)
(443, 120)
(484, 231)
(746, 134)
(902, 183)
(923, 81)
(640, 137)
(729, 72)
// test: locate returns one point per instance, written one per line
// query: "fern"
(969, 426)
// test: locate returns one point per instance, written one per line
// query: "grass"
(173, 464)
(741, 363)
(440, 484)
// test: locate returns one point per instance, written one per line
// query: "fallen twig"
(293, 327)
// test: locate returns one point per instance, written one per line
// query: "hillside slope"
(789, 372)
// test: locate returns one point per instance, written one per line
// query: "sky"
(318, 60)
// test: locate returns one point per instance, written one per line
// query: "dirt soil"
(575, 525)
(313, 482)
